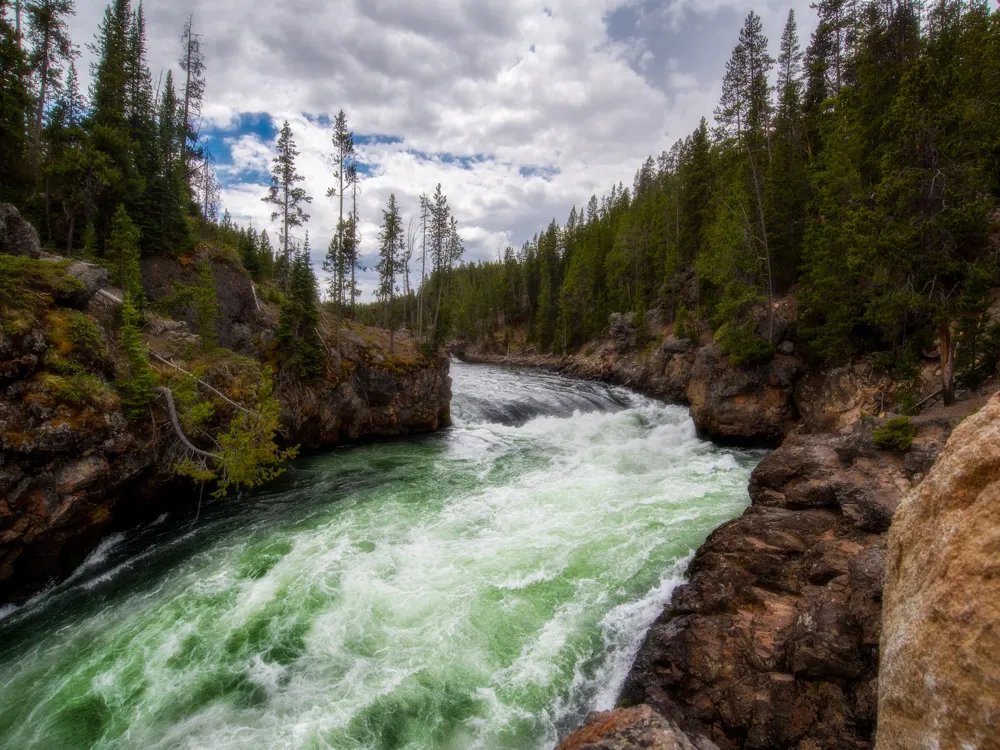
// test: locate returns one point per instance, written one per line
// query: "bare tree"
(192, 62)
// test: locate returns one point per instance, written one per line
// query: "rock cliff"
(774, 641)
(72, 466)
(940, 680)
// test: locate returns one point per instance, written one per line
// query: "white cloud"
(506, 83)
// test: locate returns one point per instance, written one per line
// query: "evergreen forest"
(861, 172)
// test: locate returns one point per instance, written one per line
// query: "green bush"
(88, 347)
(684, 324)
(895, 435)
(743, 345)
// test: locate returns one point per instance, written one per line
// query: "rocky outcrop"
(940, 679)
(241, 318)
(17, 236)
(773, 642)
(63, 462)
(754, 402)
(632, 728)
(72, 467)
(370, 400)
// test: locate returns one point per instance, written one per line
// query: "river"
(483, 587)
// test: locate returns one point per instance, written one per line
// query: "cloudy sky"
(519, 108)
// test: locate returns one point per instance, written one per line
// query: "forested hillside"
(864, 172)
(116, 186)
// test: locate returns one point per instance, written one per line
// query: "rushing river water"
(482, 587)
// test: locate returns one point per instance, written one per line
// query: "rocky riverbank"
(758, 404)
(805, 624)
(774, 641)
(73, 468)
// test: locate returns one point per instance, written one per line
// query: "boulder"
(631, 728)
(939, 684)
(17, 236)
(91, 276)
(237, 306)
(754, 402)
(674, 345)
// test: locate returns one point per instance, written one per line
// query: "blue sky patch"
(376, 139)
(546, 173)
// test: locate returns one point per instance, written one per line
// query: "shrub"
(743, 345)
(75, 338)
(897, 434)
(684, 324)
(77, 389)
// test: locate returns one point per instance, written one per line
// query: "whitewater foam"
(484, 587)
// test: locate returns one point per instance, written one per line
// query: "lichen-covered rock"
(939, 684)
(673, 345)
(92, 279)
(17, 236)
(631, 729)
(754, 402)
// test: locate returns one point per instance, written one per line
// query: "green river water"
(484, 587)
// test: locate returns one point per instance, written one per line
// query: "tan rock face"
(834, 399)
(939, 683)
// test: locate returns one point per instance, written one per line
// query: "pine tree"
(787, 189)
(425, 214)
(343, 151)
(266, 252)
(123, 250)
(439, 235)
(52, 47)
(110, 134)
(205, 305)
(168, 190)
(143, 134)
(285, 195)
(696, 192)
(353, 238)
(14, 102)
(299, 318)
(744, 114)
(69, 173)
(390, 261)
(136, 387)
